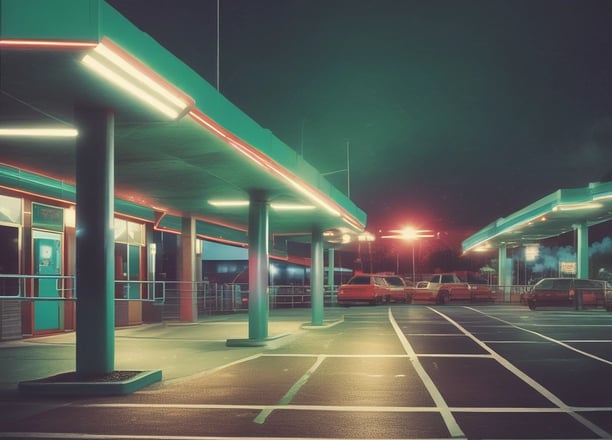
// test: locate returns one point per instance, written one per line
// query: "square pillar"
(582, 250)
(95, 246)
(188, 301)
(258, 268)
(316, 277)
(502, 273)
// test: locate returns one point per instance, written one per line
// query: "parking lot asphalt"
(405, 371)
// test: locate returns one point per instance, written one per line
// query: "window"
(359, 280)
(562, 284)
(395, 281)
(9, 260)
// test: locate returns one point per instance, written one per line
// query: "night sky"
(456, 112)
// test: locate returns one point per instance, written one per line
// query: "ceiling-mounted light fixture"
(274, 206)
(577, 206)
(291, 207)
(38, 132)
(133, 77)
(228, 203)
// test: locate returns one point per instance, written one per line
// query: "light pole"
(347, 169)
(411, 234)
(366, 237)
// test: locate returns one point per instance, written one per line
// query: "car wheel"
(531, 304)
(443, 298)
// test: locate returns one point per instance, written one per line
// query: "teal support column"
(331, 269)
(582, 250)
(95, 247)
(502, 272)
(188, 304)
(317, 282)
(258, 268)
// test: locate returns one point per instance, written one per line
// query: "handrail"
(67, 284)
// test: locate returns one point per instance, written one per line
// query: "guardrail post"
(579, 305)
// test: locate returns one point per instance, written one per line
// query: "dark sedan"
(571, 292)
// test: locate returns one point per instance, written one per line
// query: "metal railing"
(512, 294)
(17, 286)
(210, 297)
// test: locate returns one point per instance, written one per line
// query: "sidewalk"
(180, 350)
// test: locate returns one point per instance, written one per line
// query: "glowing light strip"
(246, 152)
(253, 156)
(289, 207)
(577, 206)
(308, 193)
(39, 132)
(510, 229)
(603, 197)
(120, 82)
(200, 119)
(275, 206)
(47, 43)
(228, 203)
(139, 76)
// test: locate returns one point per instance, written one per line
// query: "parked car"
(443, 288)
(569, 292)
(371, 288)
(398, 288)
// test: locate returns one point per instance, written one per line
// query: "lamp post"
(411, 234)
(366, 237)
(347, 169)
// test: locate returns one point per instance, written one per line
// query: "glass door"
(47, 261)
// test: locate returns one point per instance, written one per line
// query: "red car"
(570, 292)
(372, 288)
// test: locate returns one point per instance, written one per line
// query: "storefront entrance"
(47, 261)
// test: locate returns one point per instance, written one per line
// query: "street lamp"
(347, 169)
(411, 234)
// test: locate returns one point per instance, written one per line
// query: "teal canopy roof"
(548, 217)
(173, 167)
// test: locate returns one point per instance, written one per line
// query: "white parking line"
(288, 397)
(341, 408)
(445, 412)
(548, 338)
(79, 436)
(525, 378)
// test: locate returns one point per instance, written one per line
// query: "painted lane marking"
(548, 338)
(589, 341)
(527, 379)
(314, 355)
(78, 436)
(341, 408)
(449, 420)
(455, 355)
(288, 397)
(211, 371)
